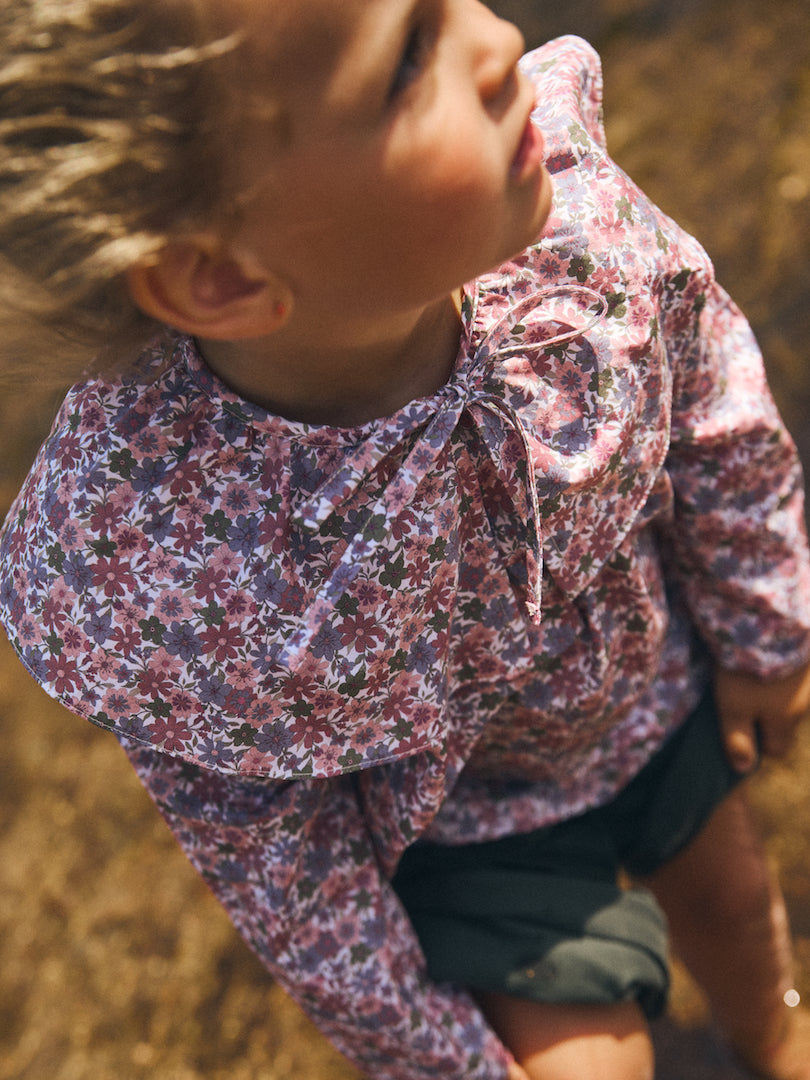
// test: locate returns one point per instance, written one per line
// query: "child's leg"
(572, 1042)
(729, 926)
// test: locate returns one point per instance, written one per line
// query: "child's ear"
(202, 288)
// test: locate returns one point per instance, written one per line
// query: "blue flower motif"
(37, 664)
(243, 535)
(326, 642)
(274, 738)
(268, 587)
(305, 476)
(181, 640)
(77, 573)
(230, 427)
(149, 474)
(99, 626)
(214, 753)
(421, 657)
(8, 594)
(159, 525)
(211, 690)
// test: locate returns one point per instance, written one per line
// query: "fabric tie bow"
(526, 329)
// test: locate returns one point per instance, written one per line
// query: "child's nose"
(498, 45)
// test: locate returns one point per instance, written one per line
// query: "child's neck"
(343, 385)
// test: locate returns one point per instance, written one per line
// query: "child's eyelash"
(416, 51)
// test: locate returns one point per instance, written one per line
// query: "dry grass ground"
(115, 963)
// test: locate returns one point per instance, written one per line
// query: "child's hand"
(749, 706)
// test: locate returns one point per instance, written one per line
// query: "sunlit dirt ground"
(115, 963)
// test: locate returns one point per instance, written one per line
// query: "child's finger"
(741, 743)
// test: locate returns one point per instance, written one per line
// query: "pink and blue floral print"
(477, 616)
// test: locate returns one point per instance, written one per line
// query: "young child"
(402, 561)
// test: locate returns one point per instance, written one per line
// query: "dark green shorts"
(541, 915)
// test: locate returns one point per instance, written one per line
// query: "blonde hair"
(113, 127)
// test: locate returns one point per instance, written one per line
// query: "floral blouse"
(477, 616)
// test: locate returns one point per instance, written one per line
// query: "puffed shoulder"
(568, 75)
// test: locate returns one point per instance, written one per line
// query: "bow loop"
(525, 511)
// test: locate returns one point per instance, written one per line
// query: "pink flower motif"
(240, 499)
(123, 497)
(361, 631)
(75, 640)
(128, 541)
(211, 583)
(188, 536)
(118, 703)
(309, 730)
(106, 518)
(192, 509)
(172, 605)
(170, 733)
(401, 604)
(224, 561)
(126, 639)
(229, 461)
(165, 662)
(223, 641)
(61, 593)
(183, 704)
(113, 576)
(105, 665)
(239, 603)
(161, 564)
(28, 632)
(53, 614)
(72, 536)
(63, 673)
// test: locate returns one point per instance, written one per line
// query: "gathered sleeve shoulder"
(568, 75)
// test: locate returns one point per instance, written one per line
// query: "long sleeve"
(738, 531)
(294, 867)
